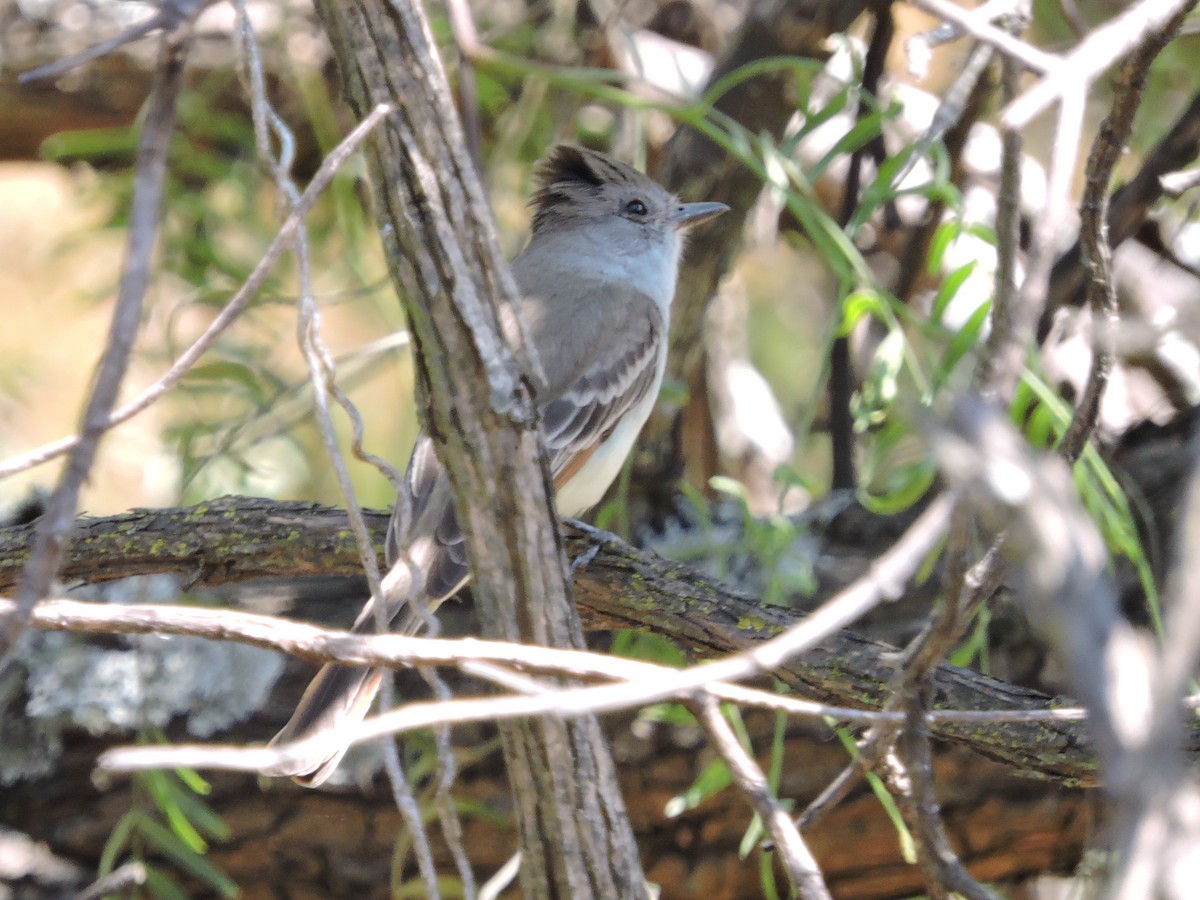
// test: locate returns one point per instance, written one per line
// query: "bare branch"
(321, 645)
(576, 838)
(1129, 207)
(998, 366)
(943, 869)
(120, 879)
(1097, 252)
(886, 579)
(54, 528)
(797, 858)
(1075, 73)
(975, 23)
(248, 291)
(170, 15)
(237, 539)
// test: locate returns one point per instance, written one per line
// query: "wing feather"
(613, 361)
(605, 361)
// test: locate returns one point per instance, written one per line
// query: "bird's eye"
(636, 208)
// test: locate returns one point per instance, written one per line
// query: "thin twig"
(974, 23)
(331, 165)
(169, 16)
(1074, 74)
(1106, 151)
(321, 374)
(462, 24)
(322, 645)
(841, 370)
(998, 366)
(797, 859)
(1129, 207)
(117, 882)
(922, 654)
(942, 868)
(54, 528)
(1053, 220)
(443, 801)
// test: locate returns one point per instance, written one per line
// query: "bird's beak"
(688, 214)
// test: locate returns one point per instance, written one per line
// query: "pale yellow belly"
(587, 488)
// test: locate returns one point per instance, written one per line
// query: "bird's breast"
(589, 484)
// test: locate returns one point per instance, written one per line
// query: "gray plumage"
(595, 283)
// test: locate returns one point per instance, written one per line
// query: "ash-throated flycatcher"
(596, 283)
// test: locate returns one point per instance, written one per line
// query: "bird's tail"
(340, 696)
(336, 700)
(425, 550)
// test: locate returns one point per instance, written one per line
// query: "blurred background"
(745, 413)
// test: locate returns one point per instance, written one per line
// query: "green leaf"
(790, 477)
(203, 816)
(714, 777)
(862, 133)
(908, 848)
(754, 833)
(766, 875)
(226, 373)
(92, 144)
(448, 887)
(976, 645)
(162, 885)
(487, 812)
(196, 865)
(948, 289)
(860, 303)
(942, 238)
(164, 794)
(814, 120)
(806, 68)
(905, 487)
(647, 646)
(723, 484)
(194, 781)
(118, 840)
(667, 714)
(964, 340)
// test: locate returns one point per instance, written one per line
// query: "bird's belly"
(587, 487)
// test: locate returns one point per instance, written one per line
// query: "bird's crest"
(571, 173)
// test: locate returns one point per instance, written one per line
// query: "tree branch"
(54, 528)
(576, 839)
(236, 540)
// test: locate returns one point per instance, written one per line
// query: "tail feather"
(424, 549)
(332, 704)
(336, 700)
(340, 696)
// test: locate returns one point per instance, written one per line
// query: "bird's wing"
(598, 369)
(598, 366)
(423, 533)
(614, 364)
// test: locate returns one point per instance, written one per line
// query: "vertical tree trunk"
(576, 840)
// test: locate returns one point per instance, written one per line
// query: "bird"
(595, 284)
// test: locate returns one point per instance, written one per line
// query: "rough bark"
(286, 842)
(237, 540)
(441, 247)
